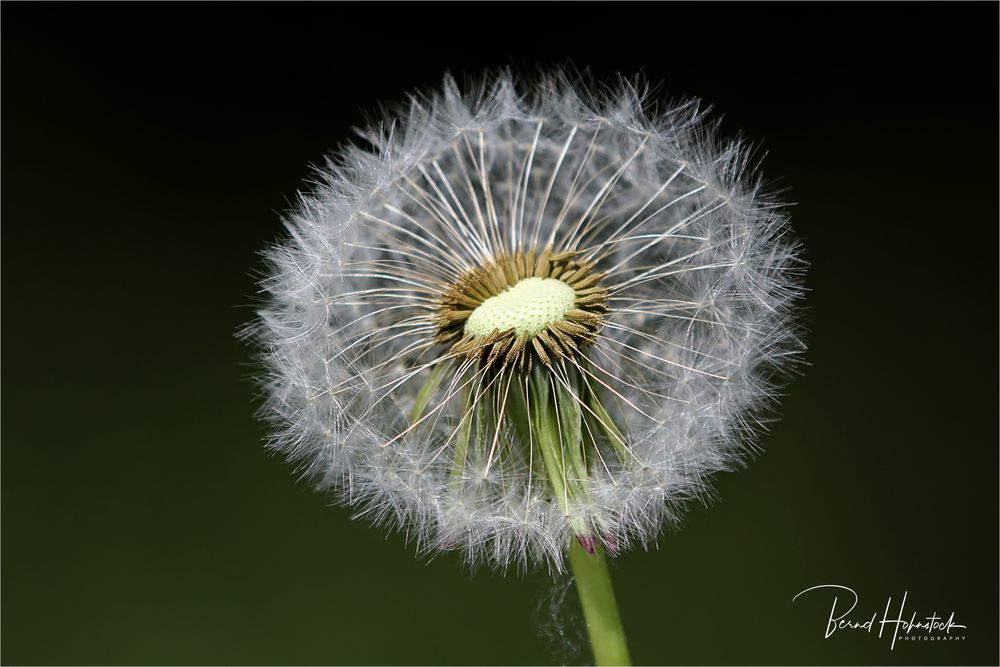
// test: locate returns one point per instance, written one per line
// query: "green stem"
(597, 597)
(555, 417)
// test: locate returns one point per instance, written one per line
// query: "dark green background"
(147, 152)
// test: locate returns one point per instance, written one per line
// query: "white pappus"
(527, 315)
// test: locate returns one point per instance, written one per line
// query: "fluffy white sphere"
(697, 281)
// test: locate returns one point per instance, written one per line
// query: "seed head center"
(527, 307)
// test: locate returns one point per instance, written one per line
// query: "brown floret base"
(507, 349)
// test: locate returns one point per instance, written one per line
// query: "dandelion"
(526, 324)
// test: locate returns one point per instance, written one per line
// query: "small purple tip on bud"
(588, 543)
(610, 543)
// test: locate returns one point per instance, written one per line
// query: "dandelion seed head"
(528, 314)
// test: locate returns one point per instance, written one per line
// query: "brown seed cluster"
(508, 348)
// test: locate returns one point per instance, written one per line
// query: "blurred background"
(148, 151)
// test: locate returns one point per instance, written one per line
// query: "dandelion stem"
(555, 419)
(600, 611)
(545, 426)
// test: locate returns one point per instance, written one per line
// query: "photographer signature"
(845, 601)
